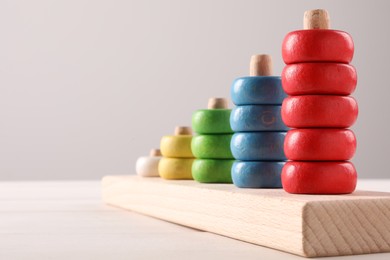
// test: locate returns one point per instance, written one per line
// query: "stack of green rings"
(211, 146)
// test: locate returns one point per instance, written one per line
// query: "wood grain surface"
(306, 225)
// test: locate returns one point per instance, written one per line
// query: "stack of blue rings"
(259, 135)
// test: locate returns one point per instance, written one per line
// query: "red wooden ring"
(320, 144)
(319, 78)
(319, 111)
(319, 177)
(316, 46)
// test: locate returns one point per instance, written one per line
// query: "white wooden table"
(67, 220)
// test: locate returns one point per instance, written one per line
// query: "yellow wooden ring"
(176, 146)
(175, 168)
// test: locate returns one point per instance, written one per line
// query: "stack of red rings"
(319, 80)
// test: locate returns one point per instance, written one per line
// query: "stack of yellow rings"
(177, 158)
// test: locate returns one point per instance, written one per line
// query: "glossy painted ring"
(319, 78)
(317, 46)
(212, 170)
(254, 118)
(176, 146)
(319, 177)
(212, 146)
(212, 121)
(318, 144)
(175, 168)
(261, 90)
(254, 174)
(319, 111)
(258, 146)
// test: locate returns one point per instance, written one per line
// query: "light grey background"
(88, 86)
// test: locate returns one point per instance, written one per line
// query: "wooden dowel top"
(261, 65)
(218, 103)
(155, 153)
(316, 19)
(183, 130)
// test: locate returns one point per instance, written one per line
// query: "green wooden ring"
(212, 171)
(212, 146)
(212, 121)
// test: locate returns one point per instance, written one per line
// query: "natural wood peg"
(261, 65)
(183, 130)
(316, 19)
(217, 103)
(155, 153)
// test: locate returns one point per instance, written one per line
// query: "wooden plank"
(306, 225)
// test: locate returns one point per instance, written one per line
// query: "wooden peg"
(261, 65)
(316, 19)
(217, 103)
(155, 153)
(183, 130)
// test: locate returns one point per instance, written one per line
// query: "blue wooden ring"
(257, 174)
(254, 118)
(259, 90)
(258, 146)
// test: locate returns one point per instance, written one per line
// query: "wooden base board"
(306, 225)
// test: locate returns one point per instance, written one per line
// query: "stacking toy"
(212, 146)
(177, 156)
(319, 79)
(287, 132)
(147, 166)
(259, 129)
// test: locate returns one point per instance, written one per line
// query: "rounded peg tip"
(261, 65)
(155, 153)
(316, 19)
(218, 103)
(183, 130)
